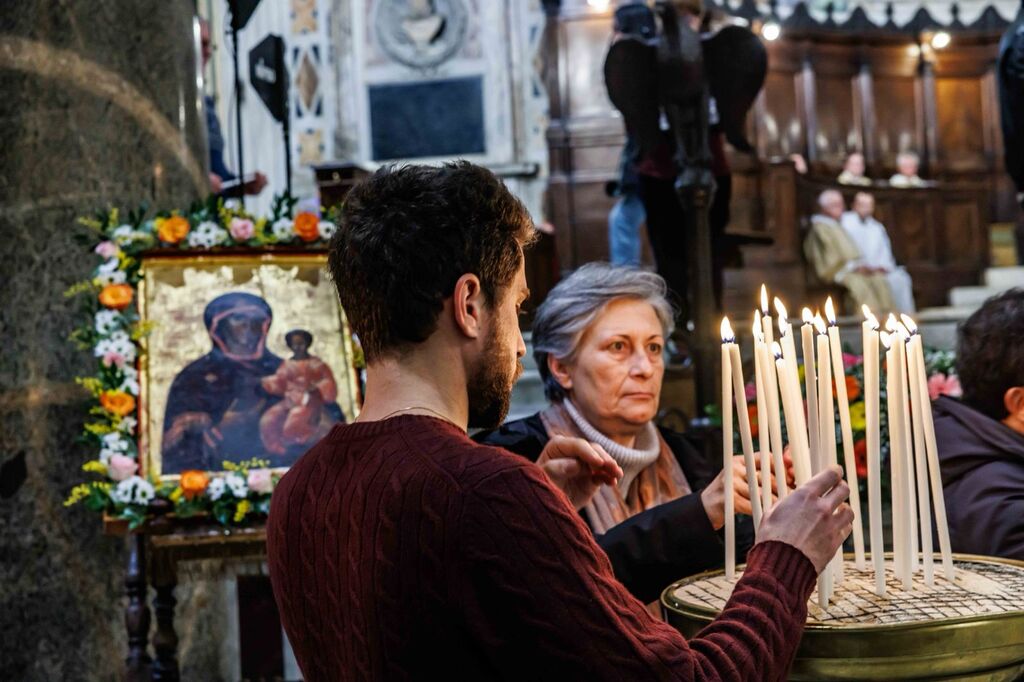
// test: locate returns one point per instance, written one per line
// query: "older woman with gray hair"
(598, 340)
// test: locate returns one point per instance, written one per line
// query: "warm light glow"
(941, 40)
(780, 308)
(758, 333)
(891, 323)
(764, 300)
(776, 350)
(819, 324)
(869, 316)
(909, 323)
(885, 339)
(599, 5)
(807, 316)
(902, 331)
(771, 31)
(727, 335)
(830, 311)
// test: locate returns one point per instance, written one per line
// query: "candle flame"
(727, 334)
(819, 324)
(807, 316)
(758, 332)
(891, 323)
(780, 308)
(886, 340)
(764, 300)
(909, 323)
(869, 316)
(902, 331)
(776, 350)
(830, 312)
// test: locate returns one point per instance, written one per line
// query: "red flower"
(860, 455)
(752, 411)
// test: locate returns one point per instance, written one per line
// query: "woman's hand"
(578, 468)
(713, 496)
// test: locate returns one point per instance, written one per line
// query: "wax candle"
(811, 387)
(908, 451)
(935, 478)
(739, 394)
(899, 446)
(897, 459)
(763, 429)
(799, 447)
(921, 464)
(849, 457)
(727, 386)
(827, 425)
(869, 330)
(771, 389)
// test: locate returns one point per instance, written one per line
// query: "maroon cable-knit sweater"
(401, 549)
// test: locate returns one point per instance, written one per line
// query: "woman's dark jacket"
(651, 550)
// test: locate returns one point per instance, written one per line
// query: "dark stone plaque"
(435, 118)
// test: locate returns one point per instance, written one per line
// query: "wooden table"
(153, 555)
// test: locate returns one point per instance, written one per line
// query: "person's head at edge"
(863, 205)
(831, 203)
(854, 164)
(990, 359)
(908, 164)
(598, 340)
(428, 263)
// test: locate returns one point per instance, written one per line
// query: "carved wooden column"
(165, 639)
(136, 614)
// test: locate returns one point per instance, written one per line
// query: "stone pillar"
(99, 108)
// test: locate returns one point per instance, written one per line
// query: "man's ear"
(561, 371)
(468, 305)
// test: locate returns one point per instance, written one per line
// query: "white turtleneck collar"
(631, 460)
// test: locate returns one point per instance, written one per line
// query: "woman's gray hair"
(577, 300)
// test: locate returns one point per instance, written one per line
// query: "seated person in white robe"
(853, 171)
(907, 166)
(876, 250)
(836, 259)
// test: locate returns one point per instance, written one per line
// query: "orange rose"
(307, 226)
(752, 413)
(116, 296)
(172, 230)
(852, 388)
(193, 483)
(118, 402)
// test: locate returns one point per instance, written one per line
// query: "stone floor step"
(1004, 278)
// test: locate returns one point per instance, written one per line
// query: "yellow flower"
(78, 493)
(176, 495)
(858, 419)
(241, 510)
(95, 467)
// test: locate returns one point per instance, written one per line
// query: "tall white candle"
(796, 425)
(921, 464)
(902, 447)
(908, 452)
(771, 389)
(935, 478)
(730, 521)
(827, 425)
(897, 460)
(872, 408)
(811, 387)
(763, 430)
(849, 458)
(739, 393)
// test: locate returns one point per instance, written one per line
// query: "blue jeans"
(624, 222)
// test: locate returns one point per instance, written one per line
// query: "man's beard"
(490, 387)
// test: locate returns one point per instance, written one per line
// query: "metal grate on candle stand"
(980, 589)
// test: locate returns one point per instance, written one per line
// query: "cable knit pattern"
(402, 550)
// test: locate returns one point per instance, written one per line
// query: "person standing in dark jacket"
(981, 437)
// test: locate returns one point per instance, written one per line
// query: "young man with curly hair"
(401, 549)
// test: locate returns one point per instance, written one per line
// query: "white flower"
(110, 265)
(107, 321)
(124, 234)
(134, 490)
(115, 442)
(130, 386)
(116, 277)
(118, 343)
(283, 229)
(326, 229)
(207, 234)
(106, 454)
(215, 490)
(236, 482)
(127, 425)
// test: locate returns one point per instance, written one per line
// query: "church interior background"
(101, 108)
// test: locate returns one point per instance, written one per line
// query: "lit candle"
(739, 394)
(849, 459)
(730, 522)
(900, 501)
(921, 465)
(788, 377)
(869, 330)
(811, 387)
(902, 449)
(763, 429)
(917, 348)
(908, 450)
(827, 426)
(771, 389)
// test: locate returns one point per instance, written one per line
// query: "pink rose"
(260, 481)
(750, 391)
(850, 360)
(107, 249)
(241, 229)
(940, 384)
(113, 358)
(122, 467)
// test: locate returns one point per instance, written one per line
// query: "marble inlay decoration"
(311, 146)
(304, 16)
(307, 81)
(420, 33)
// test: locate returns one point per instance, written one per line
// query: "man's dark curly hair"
(990, 352)
(405, 237)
